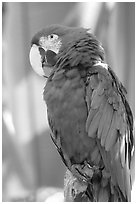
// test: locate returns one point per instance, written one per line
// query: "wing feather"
(108, 122)
(101, 123)
(94, 123)
(91, 115)
(112, 133)
(122, 151)
(97, 99)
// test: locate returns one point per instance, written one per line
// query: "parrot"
(89, 116)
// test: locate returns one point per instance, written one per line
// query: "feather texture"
(90, 118)
(111, 130)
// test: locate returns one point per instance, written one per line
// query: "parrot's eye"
(52, 37)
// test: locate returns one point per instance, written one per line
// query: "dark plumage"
(90, 118)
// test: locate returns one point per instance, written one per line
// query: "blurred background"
(31, 167)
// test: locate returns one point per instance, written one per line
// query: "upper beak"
(38, 61)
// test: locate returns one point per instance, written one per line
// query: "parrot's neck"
(84, 52)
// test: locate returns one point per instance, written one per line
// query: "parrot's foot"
(83, 172)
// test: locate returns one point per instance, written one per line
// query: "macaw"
(90, 119)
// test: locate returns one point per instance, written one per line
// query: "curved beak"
(36, 60)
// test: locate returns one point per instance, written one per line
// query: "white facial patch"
(49, 44)
(35, 60)
(43, 41)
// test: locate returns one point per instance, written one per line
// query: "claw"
(82, 172)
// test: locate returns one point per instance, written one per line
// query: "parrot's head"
(48, 43)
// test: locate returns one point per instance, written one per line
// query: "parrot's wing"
(56, 141)
(110, 119)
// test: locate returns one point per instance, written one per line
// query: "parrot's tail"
(104, 193)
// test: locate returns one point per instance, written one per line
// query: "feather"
(107, 114)
(102, 120)
(122, 127)
(119, 172)
(94, 124)
(94, 81)
(59, 75)
(122, 151)
(127, 173)
(104, 182)
(104, 155)
(100, 89)
(91, 115)
(105, 173)
(127, 176)
(95, 121)
(111, 141)
(72, 73)
(107, 124)
(112, 133)
(94, 154)
(118, 118)
(94, 93)
(117, 169)
(103, 195)
(97, 100)
(110, 100)
(97, 160)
